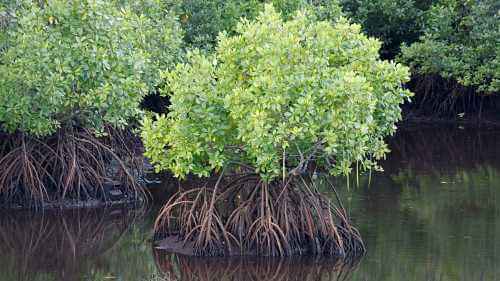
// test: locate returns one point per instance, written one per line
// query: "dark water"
(431, 215)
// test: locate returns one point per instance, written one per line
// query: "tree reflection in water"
(433, 214)
(58, 245)
(176, 267)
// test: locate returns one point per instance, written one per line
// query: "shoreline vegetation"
(269, 92)
(277, 101)
(74, 74)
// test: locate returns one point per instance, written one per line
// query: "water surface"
(431, 215)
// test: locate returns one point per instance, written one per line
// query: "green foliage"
(328, 10)
(204, 20)
(461, 43)
(392, 21)
(82, 63)
(7, 19)
(161, 36)
(276, 95)
(4, 22)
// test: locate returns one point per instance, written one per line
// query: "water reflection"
(58, 245)
(184, 268)
(430, 227)
(442, 150)
(433, 215)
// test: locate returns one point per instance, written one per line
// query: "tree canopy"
(277, 95)
(81, 63)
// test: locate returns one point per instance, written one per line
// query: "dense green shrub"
(3, 27)
(392, 21)
(82, 63)
(328, 10)
(204, 20)
(7, 19)
(460, 43)
(161, 38)
(276, 96)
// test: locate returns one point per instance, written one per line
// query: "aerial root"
(250, 216)
(73, 163)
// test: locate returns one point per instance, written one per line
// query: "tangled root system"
(249, 216)
(71, 164)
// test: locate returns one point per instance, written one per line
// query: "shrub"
(295, 91)
(204, 20)
(81, 63)
(161, 38)
(273, 99)
(328, 10)
(393, 21)
(7, 19)
(73, 76)
(460, 42)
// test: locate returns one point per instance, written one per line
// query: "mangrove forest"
(159, 140)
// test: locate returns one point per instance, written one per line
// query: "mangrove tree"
(274, 101)
(72, 76)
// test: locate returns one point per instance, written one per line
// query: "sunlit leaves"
(300, 89)
(82, 63)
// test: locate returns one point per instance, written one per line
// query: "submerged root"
(250, 216)
(72, 164)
